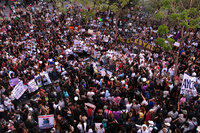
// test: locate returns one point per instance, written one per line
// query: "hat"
(167, 124)
(184, 112)
(53, 130)
(105, 120)
(75, 98)
(90, 131)
(151, 123)
(194, 74)
(144, 125)
(143, 79)
(194, 119)
(145, 103)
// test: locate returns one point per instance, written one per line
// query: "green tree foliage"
(159, 15)
(170, 40)
(161, 42)
(163, 30)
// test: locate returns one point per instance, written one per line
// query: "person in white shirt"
(8, 104)
(173, 114)
(90, 94)
(100, 129)
(168, 119)
(144, 129)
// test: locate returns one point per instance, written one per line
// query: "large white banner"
(188, 85)
(19, 90)
(46, 121)
(32, 86)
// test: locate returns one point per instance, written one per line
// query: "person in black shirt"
(112, 124)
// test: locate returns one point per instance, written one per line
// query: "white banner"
(19, 90)
(187, 86)
(46, 121)
(32, 86)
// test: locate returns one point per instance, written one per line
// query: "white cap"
(194, 74)
(167, 124)
(151, 123)
(76, 98)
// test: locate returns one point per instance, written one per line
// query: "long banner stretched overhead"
(140, 43)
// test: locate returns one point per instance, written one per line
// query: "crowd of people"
(95, 78)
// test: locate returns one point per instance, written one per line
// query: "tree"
(162, 43)
(170, 40)
(184, 14)
(163, 30)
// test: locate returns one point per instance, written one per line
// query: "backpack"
(123, 116)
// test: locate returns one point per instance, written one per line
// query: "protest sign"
(46, 121)
(38, 80)
(45, 78)
(140, 43)
(32, 86)
(188, 85)
(19, 90)
(14, 82)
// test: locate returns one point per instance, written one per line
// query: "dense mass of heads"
(98, 84)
